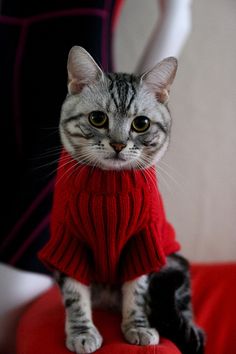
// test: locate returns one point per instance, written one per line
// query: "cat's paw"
(142, 336)
(87, 342)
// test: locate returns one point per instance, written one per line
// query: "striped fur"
(81, 334)
(169, 302)
(122, 98)
(135, 324)
(156, 304)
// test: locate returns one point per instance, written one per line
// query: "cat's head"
(116, 121)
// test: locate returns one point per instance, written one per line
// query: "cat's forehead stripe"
(111, 86)
(122, 91)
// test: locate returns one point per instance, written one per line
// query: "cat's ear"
(160, 78)
(82, 69)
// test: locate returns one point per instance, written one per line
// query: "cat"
(114, 128)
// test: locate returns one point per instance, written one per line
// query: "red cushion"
(41, 329)
(214, 300)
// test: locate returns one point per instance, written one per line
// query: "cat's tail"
(170, 306)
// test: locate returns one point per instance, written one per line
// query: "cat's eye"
(140, 124)
(98, 119)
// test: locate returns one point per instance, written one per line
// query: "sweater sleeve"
(170, 244)
(166, 230)
(142, 254)
(68, 254)
(146, 251)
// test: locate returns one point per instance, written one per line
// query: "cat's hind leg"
(81, 334)
(170, 304)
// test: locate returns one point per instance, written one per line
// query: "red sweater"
(107, 226)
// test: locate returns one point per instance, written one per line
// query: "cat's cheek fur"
(161, 152)
(68, 146)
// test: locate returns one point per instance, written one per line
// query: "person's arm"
(169, 34)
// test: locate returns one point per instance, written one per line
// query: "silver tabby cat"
(114, 122)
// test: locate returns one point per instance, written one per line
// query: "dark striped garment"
(35, 38)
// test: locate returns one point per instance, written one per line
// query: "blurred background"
(199, 181)
(198, 174)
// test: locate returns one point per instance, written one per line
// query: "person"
(169, 34)
(35, 40)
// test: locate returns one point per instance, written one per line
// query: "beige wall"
(200, 195)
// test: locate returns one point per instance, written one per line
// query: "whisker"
(51, 152)
(174, 170)
(171, 178)
(152, 177)
(48, 164)
(83, 158)
(147, 160)
(67, 160)
(71, 168)
(165, 183)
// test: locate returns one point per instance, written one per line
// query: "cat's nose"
(118, 146)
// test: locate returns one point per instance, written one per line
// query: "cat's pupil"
(140, 124)
(98, 119)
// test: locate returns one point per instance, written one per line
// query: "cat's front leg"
(81, 334)
(135, 325)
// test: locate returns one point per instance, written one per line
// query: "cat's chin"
(115, 164)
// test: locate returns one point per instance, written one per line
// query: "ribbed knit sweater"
(107, 226)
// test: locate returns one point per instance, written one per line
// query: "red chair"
(41, 328)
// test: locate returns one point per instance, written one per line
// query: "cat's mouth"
(115, 157)
(115, 161)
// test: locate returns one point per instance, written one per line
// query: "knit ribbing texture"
(107, 226)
